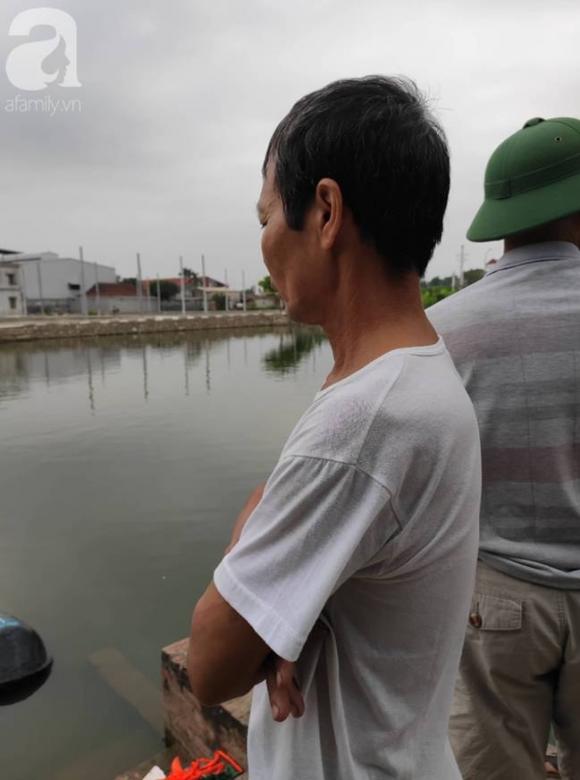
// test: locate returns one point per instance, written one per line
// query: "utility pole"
(158, 295)
(244, 290)
(461, 266)
(39, 278)
(98, 292)
(182, 286)
(83, 290)
(204, 283)
(22, 283)
(139, 284)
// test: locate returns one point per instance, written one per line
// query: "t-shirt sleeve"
(318, 523)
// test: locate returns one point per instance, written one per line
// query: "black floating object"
(23, 657)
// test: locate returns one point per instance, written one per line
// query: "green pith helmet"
(532, 178)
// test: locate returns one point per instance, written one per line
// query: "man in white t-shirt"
(345, 590)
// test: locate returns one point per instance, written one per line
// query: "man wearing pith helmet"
(515, 339)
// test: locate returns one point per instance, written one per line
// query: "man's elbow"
(212, 686)
(201, 680)
(225, 656)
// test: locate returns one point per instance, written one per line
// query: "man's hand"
(283, 686)
(283, 689)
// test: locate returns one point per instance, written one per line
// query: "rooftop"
(113, 290)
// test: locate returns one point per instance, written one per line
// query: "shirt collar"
(533, 253)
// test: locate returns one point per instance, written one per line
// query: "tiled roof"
(114, 290)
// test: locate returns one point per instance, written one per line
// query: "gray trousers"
(520, 671)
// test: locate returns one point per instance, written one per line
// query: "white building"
(11, 302)
(51, 283)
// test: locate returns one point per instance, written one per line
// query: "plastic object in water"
(22, 651)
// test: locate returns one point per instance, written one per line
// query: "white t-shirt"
(358, 563)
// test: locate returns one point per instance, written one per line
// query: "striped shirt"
(515, 339)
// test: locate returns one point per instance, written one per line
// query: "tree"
(220, 301)
(431, 295)
(474, 275)
(167, 290)
(437, 281)
(189, 274)
(267, 286)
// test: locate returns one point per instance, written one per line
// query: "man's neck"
(562, 230)
(374, 317)
(509, 246)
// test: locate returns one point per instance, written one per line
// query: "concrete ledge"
(74, 327)
(191, 729)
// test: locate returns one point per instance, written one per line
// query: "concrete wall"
(117, 305)
(57, 273)
(266, 302)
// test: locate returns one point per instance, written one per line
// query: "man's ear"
(329, 208)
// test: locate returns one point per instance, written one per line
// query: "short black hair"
(376, 137)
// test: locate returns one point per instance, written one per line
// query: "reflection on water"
(123, 464)
(292, 349)
(58, 360)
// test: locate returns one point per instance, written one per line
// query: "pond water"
(123, 465)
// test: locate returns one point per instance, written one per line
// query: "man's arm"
(248, 508)
(226, 657)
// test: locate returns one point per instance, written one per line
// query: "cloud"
(179, 101)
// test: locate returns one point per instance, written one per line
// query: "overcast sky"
(179, 99)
